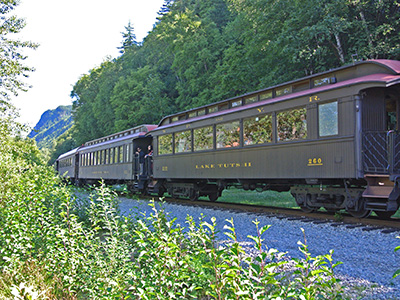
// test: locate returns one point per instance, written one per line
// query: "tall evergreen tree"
(129, 37)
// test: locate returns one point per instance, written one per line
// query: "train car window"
(236, 103)
(228, 135)
(266, 95)
(302, 86)
(324, 81)
(111, 156)
(223, 106)
(165, 144)
(391, 114)
(328, 119)
(183, 141)
(127, 153)
(116, 153)
(251, 99)
(203, 138)
(102, 157)
(201, 112)
(257, 130)
(213, 109)
(283, 91)
(121, 154)
(292, 124)
(193, 114)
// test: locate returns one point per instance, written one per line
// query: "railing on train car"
(381, 152)
(145, 169)
(393, 139)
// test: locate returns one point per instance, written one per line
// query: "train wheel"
(362, 213)
(213, 196)
(385, 215)
(307, 209)
(301, 200)
(194, 195)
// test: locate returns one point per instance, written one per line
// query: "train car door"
(140, 167)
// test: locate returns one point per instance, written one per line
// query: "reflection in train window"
(116, 153)
(107, 156)
(183, 141)
(121, 154)
(228, 135)
(111, 156)
(165, 144)
(292, 124)
(203, 138)
(328, 119)
(257, 130)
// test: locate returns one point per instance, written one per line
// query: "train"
(331, 139)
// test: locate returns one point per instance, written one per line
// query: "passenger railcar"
(331, 139)
(66, 165)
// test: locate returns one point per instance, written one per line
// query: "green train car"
(331, 139)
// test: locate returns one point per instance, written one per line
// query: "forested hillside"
(51, 125)
(205, 51)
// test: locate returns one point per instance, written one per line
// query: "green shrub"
(57, 244)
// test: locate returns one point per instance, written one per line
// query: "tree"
(11, 56)
(129, 41)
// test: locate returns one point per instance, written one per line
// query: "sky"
(75, 36)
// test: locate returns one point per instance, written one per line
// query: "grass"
(268, 198)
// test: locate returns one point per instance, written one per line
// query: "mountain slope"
(51, 125)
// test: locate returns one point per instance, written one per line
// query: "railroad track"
(366, 224)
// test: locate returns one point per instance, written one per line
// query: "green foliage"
(62, 144)
(63, 245)
(11, 53)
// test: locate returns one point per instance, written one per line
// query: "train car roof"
(132, 133)
(385, 72)
(69, 153)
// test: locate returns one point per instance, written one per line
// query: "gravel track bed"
(368, 257)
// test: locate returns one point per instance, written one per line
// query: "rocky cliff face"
(51, 125)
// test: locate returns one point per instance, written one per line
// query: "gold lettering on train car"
(219, 119)
(188, 126)
(164, 168)
(260, 110)
(314, 98)
(223, 166)
(312, 162)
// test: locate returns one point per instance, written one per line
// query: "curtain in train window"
(183, 141)
(328, 119)
(165, 144)
(292, 124)
(203, 138)
(228, 135)
(257, 130)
